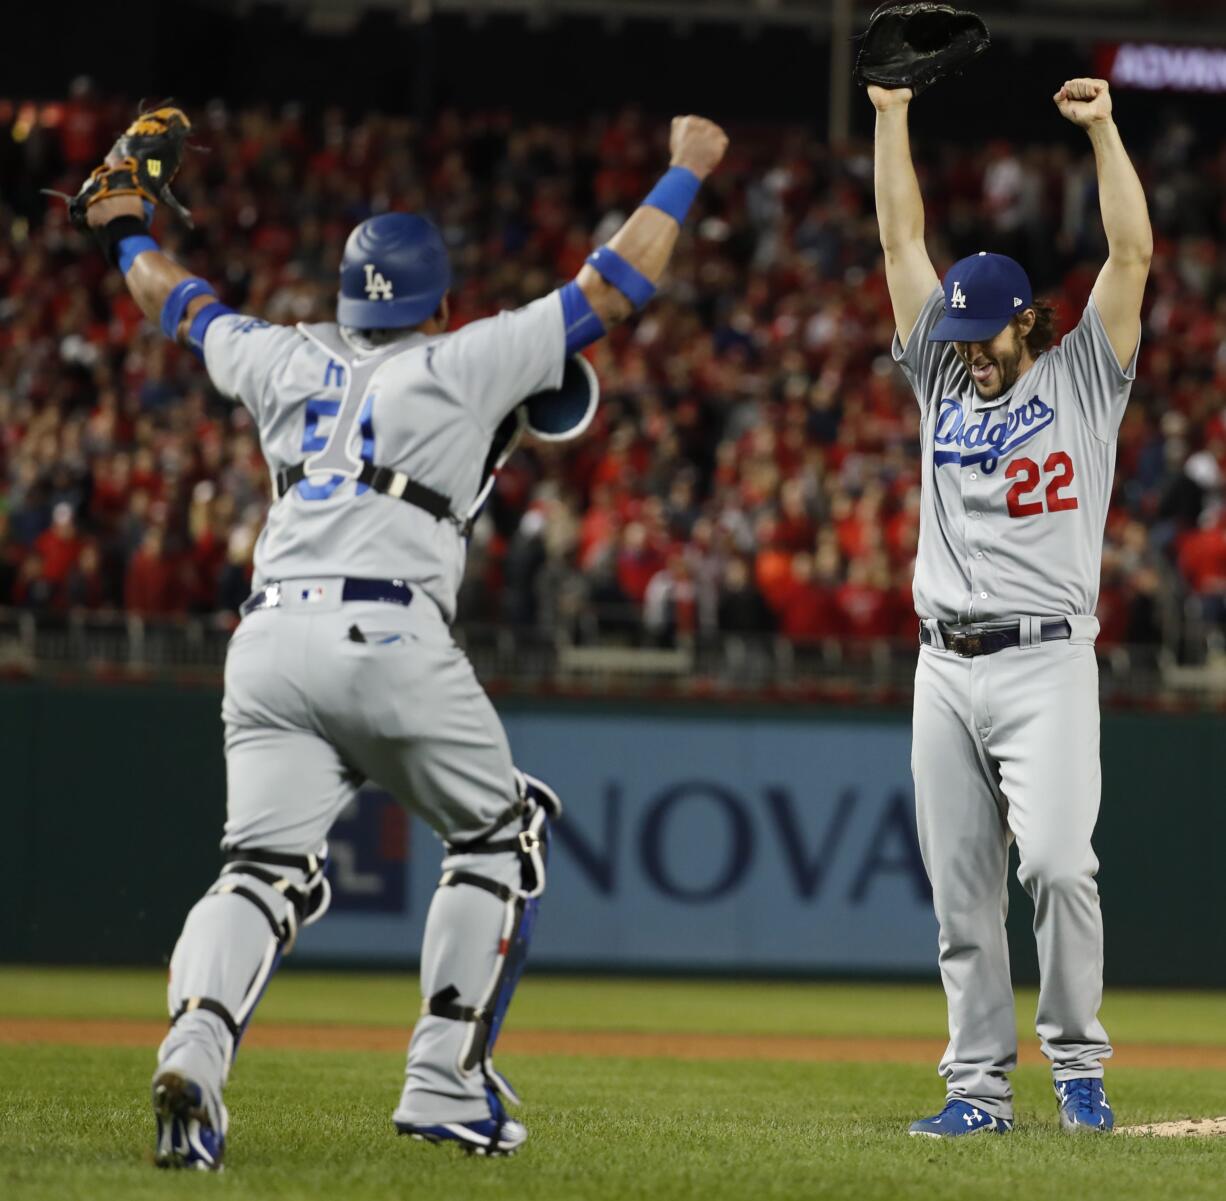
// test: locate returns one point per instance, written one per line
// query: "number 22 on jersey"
(1027, 478)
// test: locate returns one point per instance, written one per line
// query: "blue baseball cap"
(983, 294)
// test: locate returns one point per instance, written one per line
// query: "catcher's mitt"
(143, 162)
(913, 45)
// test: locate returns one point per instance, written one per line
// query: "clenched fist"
(697, 144)
(1085, 102)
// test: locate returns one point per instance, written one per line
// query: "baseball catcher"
(381, 431)
(1018, 448)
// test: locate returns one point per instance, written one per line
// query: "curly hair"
(1043, 331)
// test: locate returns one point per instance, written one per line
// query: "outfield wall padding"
(698, 838)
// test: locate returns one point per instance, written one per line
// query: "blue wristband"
(582, 325)
(176, 304)
(130, 247)
(201, 322)
(614, 270)
(674, 192)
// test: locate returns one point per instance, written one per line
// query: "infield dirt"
(308, 1036)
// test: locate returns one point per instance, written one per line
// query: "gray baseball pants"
(311, 710)
(1006, 746)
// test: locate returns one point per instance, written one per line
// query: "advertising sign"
(688, 843)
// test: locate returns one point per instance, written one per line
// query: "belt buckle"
(967, 645)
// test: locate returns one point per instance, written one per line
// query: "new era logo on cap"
(982, 295)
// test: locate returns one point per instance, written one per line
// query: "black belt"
(272, 596)
(988, 637)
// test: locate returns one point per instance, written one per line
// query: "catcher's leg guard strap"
(307, 864)
(281, 931)
(443, 1005)
(504, 892)
(539, 805)
(483, 843)
(191, 1004)
(308, 897)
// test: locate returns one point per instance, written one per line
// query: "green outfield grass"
(74, 1122)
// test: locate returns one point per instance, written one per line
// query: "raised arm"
(116, 202)
(646, 241)
(909, 272)
(1120, 287)
(151, 276)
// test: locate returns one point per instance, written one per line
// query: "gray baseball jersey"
(1016, 488)
(430, 411)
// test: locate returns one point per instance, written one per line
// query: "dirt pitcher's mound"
(1188, 1128)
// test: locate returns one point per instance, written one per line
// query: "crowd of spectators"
(754, 466)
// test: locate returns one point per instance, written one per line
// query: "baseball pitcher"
(1018, 456)
(381, 431)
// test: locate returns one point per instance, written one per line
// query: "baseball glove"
(143, 162)
(913, 45)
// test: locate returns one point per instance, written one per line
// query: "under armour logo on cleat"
(971, 1118)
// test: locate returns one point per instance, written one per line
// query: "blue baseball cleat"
(959, 1118)
(1083, 1105)
(186, 1137)
(489, 1136)
(495, 1135)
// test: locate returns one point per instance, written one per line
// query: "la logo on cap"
(377, 288)
(958, 299)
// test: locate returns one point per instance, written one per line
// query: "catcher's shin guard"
(473, 955)
(231, 944)
(544, 807)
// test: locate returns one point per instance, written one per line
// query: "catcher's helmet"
(394, 273)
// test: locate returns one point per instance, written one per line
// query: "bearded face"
(994, 366)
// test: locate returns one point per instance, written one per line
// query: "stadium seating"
(754, 467)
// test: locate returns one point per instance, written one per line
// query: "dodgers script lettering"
(980, 441)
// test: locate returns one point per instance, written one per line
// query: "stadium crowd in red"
(754, 465)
